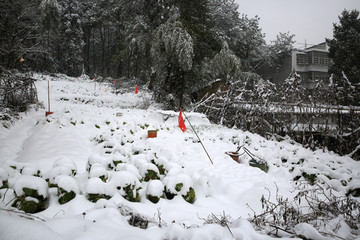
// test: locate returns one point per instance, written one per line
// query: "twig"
(28, 215)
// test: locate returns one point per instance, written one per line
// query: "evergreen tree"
(71, 36)
(196, 19)
(250, 45)
(225, 16)
(18, 32)
(172, 51)
(49, 39)
(344, 48)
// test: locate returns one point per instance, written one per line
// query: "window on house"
(300, 59)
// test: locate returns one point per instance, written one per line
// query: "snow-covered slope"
(98, 140)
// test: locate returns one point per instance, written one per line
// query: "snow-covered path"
(98, 127)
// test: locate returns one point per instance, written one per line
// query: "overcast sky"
(310, 20)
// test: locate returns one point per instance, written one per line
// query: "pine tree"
(71, 35)
(172, 51)
(196, 19)
(49, 39)
(18, 32)
(344, 48)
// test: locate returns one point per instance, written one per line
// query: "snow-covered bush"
(57, 171)
(160, 164)
(97, 158)
(66, 162)
(4, 176)
(97, 189)
(117, 158)
(31, 194)
(155, 191)
(180, 184)
(149, 172)
(99, 171)
(129, 168)
(320, 209)
(68, 187)
(22, 168)
(127, 184)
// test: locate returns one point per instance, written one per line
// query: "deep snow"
(91, 126)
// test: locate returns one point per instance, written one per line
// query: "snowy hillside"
(95, 174)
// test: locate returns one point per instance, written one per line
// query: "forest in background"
(180, 46)
(204, 53)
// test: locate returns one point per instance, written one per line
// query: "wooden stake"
(198, 138)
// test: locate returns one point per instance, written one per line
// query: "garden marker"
(181, 122)
(48, 112)
(137, 89)
(95, 86)
(198, 138)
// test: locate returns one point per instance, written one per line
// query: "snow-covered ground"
(96, 142)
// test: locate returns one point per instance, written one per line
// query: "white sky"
(310, 20)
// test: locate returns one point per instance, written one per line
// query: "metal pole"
(49, 94)
(198, 138)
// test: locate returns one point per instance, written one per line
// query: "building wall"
(311, 64)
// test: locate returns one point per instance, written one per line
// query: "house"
(311, 63)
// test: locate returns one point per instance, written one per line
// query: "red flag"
(137, 89)
(181, 122)
(114, 81)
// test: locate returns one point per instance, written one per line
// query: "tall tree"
(196, 19)
(250, 45)
(279, 49)
(18, 31)
(344, 48)
(173, 52)
(49, 18)
(71, 34)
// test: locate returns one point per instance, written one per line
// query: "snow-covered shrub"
(180, 184)
(4, 176)
(149, 172)
(160, 164)
(31, 194)
(99, 171)
(97, 158)
(117, 158)
(129, 168)
(155, 191)
(326, 213)
(23, 168)
(127, 184)
(97, 189)
(57, 171)
(66, 162)
(68, 187)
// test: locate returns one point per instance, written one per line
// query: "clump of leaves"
(65, 196)
(31, 201)
(94, 197)
(131, 194)
(151, 175)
